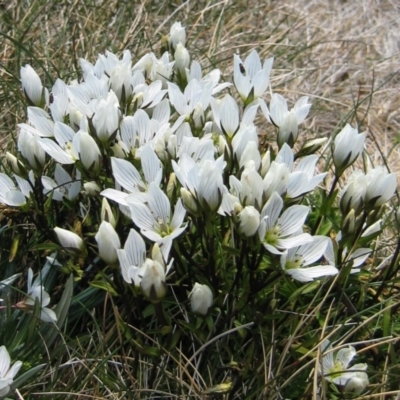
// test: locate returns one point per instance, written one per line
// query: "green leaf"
(151, 351)
(61, 311)
(104, 285)
(26, 376)
(310, 287)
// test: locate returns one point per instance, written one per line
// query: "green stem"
(321, 216)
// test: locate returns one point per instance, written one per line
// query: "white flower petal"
(311, 273)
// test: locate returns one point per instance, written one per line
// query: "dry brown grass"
(343, 54)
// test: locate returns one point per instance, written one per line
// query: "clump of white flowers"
(156, 155)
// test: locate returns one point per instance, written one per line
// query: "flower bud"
(108, 242)
(276, 179)
(349, 223)
(107, 213)
(182, 59)
(120, 81)
(198, 117)
(353, 195)
(16, 166)
(32, 86)
(70, 241)
(153, 281)
(249, 221)
(265, 163)
(105, 120)
(177, 35)
(120, 150)
(92, 188)
(189, 202)
(348, 146)
(288, 131)
(223, 148)
(201, 299)
(171, 186)
(311, 147)
(380, 187)
(28, 145)
(172, 146)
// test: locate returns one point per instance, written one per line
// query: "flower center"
(296, 262)
(336, 370)
(273, 235)
(164, 228)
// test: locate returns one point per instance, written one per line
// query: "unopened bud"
(153, 281)
(201, 299)
(107, 213)
(311, 147)
(349, 223)
(189, 202)
(16, 166)
(92, 188)
(249, 221)
(171, 186)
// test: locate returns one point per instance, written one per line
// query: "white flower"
(213, 76)
(132, 258)
(201, 299)
(151, 212)
(63, 186)
(296, 258)
(182, 59)
(380, 187)
(69, 240)
(203, 180)
(129, 177)
(133, 261)
(108, 243)
(288, 121)
(9, 194)
(348, 146)
(226, 115)
(195, 94)
(89, 152)
(177, 34)
(40, 121)
(335, 368)
(301, 178)
(250, 77)
(155, 69)
(353, 195)
(276, 179)
(32, 86)
(138, 130)
(105, 119)
(36, 292)
(7, 373)
(282, 232)
(120, 81)
(146, 96)
(28, 145)
(249, 221)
